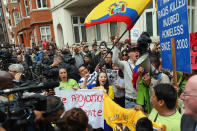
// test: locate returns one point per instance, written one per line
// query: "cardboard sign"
(193, 45)
(91, 101)
(173, 23)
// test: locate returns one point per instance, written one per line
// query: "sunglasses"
(124, 54)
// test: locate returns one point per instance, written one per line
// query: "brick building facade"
(36, 22)
(31, 21)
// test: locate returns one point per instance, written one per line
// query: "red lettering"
(93, 112)
(81, 97)
(64, 100)
(73, 98)
(99, 113)
(88, 100)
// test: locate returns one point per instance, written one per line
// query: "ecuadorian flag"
(117, 118)
(127, 11)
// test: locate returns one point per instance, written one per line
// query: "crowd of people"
(78, 67)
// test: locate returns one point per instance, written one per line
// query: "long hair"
(106, 86)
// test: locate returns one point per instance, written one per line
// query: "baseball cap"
(133, 48)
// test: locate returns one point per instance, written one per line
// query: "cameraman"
(44, 119)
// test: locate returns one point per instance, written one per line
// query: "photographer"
(44, 119)
(38, 116)
(16, 70)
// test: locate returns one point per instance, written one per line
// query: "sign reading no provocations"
(173, 23)
(91, 101)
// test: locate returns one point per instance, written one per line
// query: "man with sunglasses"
(189, 97)
(127, 68)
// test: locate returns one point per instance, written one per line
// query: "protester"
(87, 81)
(39, 54)
(88, 63)
(103, 83)
(144, 124)
(143, 97)
(86, 50)
(127, 68)
(83, 43)
(164, 110)
(99, 56)
(45, 44)
(119, 87)
(94, 50)
(65, 82)
(78, 56)
(124, 55)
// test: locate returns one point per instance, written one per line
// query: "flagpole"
(114, 44)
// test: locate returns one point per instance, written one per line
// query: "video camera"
(20, 112)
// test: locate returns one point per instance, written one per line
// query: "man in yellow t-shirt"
(163, 100)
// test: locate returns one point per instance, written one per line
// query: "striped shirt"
(91, 81)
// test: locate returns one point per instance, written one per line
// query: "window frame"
(190, 8)
(46, 35)
(155, 29)
(41, 4)
(79, 25)
(98, 33)
(13, 1)
(26, 8)
(16, 20)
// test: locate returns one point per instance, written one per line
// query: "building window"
(151, 24)
(26, 7)
(16, 17)
(113, 28)
(30, 6)
(14, 1)
(41, 3)
(79, 29)
(21, 10)
(45, 33)
(35, 37)
(191, 14)
(98, 32)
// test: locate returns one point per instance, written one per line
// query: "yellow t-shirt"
(110, 91)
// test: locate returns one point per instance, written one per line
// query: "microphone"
(31, 88)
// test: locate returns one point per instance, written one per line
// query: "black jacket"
(187, 123)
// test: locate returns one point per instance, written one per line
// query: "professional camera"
(19, 113)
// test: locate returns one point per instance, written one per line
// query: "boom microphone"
(41, 86)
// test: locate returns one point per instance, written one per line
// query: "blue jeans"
(129, 104)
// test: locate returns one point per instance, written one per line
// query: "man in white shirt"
(127, 68)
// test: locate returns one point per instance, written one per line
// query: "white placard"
(91, 101)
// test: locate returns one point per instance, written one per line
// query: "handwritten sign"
(173, 23)
(193, 45)
(91, 101)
